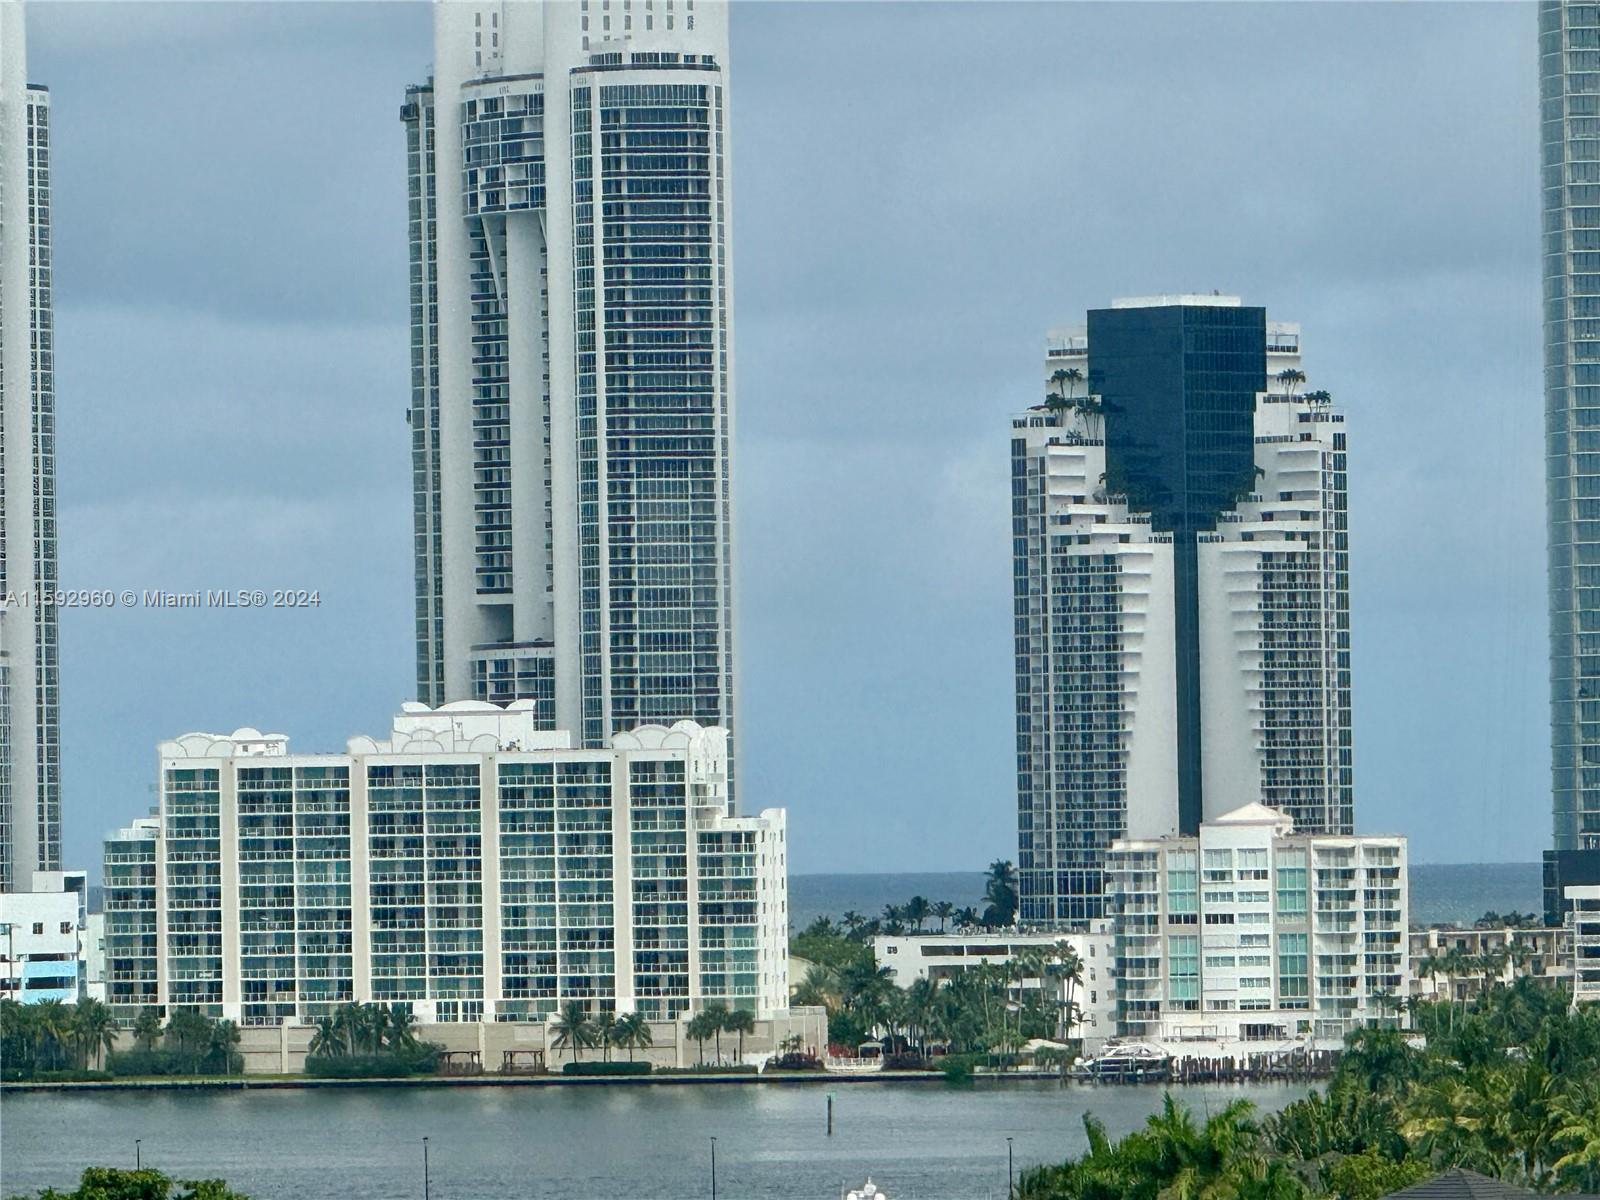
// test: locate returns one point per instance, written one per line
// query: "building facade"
(30, 750)
(1583, 921)
(572, 362)
(43, 939)
(472, 867)
(1181, 590)
(1253, 932)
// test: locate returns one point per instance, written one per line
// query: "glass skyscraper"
(30, 749)
(1181, 591)
(572, 410)
(1569, 55)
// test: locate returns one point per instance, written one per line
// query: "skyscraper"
(572, 408)
(1181, 590)
(1569, 56)
(30, 756)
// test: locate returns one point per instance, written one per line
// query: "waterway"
(919, 1141)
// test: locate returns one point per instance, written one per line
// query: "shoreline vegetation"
(1507, 1085)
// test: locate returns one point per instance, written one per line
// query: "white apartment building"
(1252, 932)
(42, 939)
(1583, 920)
(572, 362)
(471, 866)
(30, 750)
(1181, 590)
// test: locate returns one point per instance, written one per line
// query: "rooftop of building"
(1179, 300)
(459, 727)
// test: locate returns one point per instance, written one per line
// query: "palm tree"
(95, 1029)
(1056, 401)
(632, 1032)
(853, 922)
(819, 987)
(716, 1015)
(402, 1028)
(965, 917)
(699, 1028)
(52, 1028)
(740, 1021)
(224, 1037)
(1318, 399)
(943, 910)
(917, 910)
(573, 1029)
(1000, 890)
(605, 1031)
(147, 1028)
(1579, 1137)
(327, 1041)
(1291, 378)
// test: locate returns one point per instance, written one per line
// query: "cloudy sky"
(922, 191)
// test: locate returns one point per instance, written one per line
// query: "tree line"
(1507, 1085)
(52, 1037)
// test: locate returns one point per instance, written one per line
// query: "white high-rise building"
(30, 754)
(572, 342)
(1252, 931)
(470, 866)
(1181, 590)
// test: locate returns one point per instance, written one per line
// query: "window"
(66, 927)
(38, 928)
(1183, 969)
(1293, 966)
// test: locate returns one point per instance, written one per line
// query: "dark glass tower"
(1178, 385)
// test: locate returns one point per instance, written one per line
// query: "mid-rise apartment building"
(572, 361)
(471, 866)
(30, 704)
(43, 939)
(1251, 931)
(1181, 590)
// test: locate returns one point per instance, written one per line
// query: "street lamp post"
(713, 1169)
(425, 1183)
(138, 1159)
(1011, 1186)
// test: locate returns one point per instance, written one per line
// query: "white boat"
(1127, 1062)
(867, 1191)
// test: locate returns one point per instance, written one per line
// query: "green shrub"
(143, 1062)
(606, 1068)
(958, 1068)
(67, 1075)
(421, 1061)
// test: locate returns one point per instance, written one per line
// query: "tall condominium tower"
(572, 406)
(30, 757)
(1181, 591)
(1569, 55)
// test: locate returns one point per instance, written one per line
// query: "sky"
(921, 192)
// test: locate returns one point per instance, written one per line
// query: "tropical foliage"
(368, 1040)
(52, 1036)
(1507, 1085)
(108, 1183)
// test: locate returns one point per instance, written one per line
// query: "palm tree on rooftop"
(943, 910)
(1291, 378)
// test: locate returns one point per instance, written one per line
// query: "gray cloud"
(922, 190)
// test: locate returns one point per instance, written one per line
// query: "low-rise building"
(470, 867)
(942, 956)
(1252, 933)
(1460, 963)
(42, 939)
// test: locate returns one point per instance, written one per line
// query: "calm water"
(1440, 892)
(919, 1141)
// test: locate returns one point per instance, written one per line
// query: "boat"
(867, 1191)
(1127, 1062)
